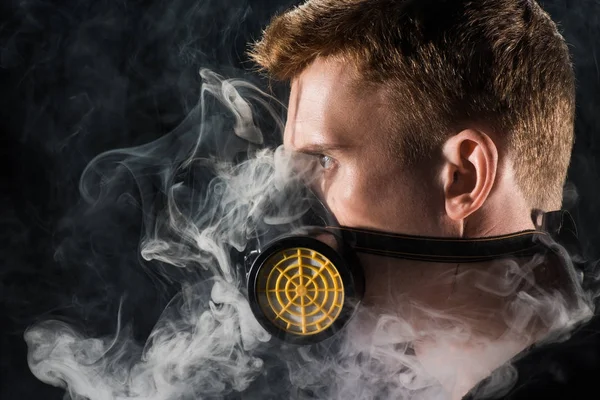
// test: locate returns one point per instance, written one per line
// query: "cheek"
(350, 197)
(372, 196)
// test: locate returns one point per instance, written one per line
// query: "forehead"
(330, 105)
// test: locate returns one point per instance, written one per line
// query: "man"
(436, 118)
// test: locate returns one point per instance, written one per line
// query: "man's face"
(348, 131)
(365, 185)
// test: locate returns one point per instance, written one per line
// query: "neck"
(460, 364)
(505, 211)
(460, 310)
(459, 314)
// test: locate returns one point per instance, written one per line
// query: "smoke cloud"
(205, 191)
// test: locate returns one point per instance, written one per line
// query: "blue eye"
(326, 161)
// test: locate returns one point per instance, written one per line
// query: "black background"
(82, 77)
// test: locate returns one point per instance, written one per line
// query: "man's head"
(436, 118)
(434, 103)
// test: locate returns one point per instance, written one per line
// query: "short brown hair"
(446, 65)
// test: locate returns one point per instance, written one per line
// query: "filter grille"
(300, 291)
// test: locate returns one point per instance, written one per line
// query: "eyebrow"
(320, 148)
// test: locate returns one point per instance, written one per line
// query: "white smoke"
(206, 208)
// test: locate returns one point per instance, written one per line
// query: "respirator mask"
(305, 280)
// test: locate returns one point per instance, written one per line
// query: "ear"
(471, 161)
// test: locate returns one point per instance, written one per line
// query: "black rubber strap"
(445, 250)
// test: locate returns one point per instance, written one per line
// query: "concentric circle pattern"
(300, 291)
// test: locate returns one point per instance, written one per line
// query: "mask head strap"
(445, 250)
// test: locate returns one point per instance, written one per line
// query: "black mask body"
(304, 285)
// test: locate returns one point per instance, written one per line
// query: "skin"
(468, 190)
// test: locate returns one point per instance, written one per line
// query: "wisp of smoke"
(202, 205)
